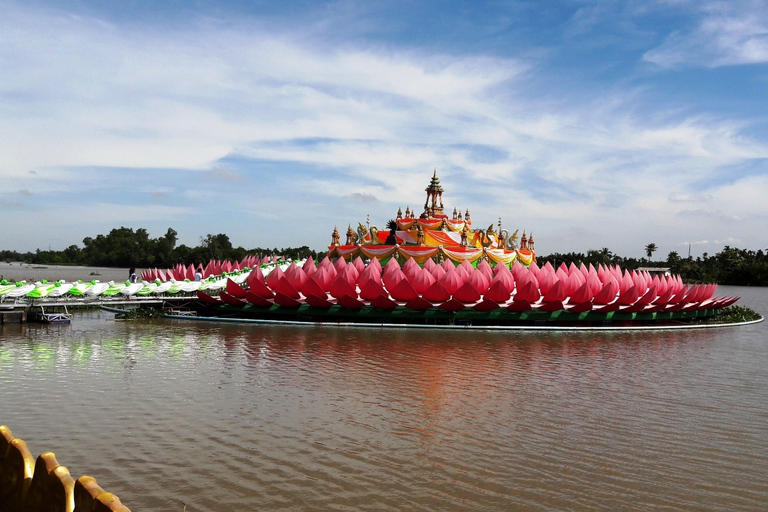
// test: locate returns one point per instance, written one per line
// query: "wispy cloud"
(215, 119)
(715, 243)
(362, 197)
(220, 173)
(725, 34)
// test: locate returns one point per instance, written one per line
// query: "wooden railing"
(27, 485)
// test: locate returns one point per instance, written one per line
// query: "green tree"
(164, 247)
(673, 258)
(218, 246)
(650, 249)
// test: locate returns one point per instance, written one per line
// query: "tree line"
(731, 266)
(124, 247)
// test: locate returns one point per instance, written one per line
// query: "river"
(230, 417)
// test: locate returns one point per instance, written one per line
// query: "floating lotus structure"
(179, 280)
(432, 293)
(483, 278)
(448, 293)
(427, 269)
(212, 269)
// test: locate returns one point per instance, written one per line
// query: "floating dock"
(57, 312)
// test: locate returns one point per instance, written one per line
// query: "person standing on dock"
(132, 275)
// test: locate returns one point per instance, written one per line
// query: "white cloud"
(371, 122)
(690, 198)
(728, 33)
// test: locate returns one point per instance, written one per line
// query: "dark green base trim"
(437, 316)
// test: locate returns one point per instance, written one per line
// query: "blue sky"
(590, 123)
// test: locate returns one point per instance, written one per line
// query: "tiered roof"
(434, 235)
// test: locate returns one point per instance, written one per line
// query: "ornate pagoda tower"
(433, 206)
(433, 234)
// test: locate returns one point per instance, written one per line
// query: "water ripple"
(227, 417)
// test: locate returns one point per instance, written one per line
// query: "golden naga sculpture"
(367, 236)
(510, 241)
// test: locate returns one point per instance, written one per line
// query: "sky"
(590, 124)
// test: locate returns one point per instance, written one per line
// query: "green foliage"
(733, 315)
(124, 247)
(650, 249)
(594, 257)
(392, 227)
(738, 267)
(142, 312)
(731, 266)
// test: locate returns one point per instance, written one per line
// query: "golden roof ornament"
(433, 228)
(350, 236)
(433, 206)
(335, 236)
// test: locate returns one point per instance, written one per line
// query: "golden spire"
(335, 236)
(433, 206)
(350, 235)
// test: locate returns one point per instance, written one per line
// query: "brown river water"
(16, 271)
(238, 417)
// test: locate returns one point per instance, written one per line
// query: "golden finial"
(335, 236)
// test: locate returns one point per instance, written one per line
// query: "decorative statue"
(464, 236)
(351, 236)
(399, 213)
(366, 236)
(466, 215)
(511, 240)
(420, 236)
(486, 237)
(455, 215)
(335, 236)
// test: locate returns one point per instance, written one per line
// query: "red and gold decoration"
(434, 235)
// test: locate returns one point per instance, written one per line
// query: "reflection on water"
(238, 417)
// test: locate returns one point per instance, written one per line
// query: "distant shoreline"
(31, 272)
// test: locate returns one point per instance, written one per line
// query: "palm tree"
(650, 249)
(392, 227)
(606, 255)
